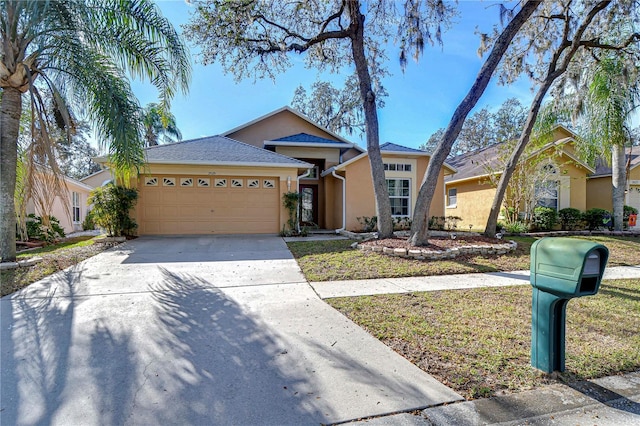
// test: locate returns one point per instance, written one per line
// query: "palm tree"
(79, 54)
(159, 123)
(613, 95)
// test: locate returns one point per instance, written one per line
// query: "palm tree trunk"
(383, 204)
(10, 110)
(618, 180)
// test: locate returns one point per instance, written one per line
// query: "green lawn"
(56, 257)
(478, 341)
(336, 260)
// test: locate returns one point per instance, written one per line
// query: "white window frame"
(547, 187)
(401, 197)
(455, 197)
(75, 203)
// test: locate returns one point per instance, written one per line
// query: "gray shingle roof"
(306, 138)
(474, 163)
(218, 150)
(389, 146)
(603, 169)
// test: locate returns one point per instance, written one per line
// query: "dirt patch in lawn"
(436, 243)
(54, 258)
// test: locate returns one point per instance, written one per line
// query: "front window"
(547, 189)
(452, 197)
(75, 198)
(400, 196)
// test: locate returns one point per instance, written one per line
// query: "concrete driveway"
(194, 330)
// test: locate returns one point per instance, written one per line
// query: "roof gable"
(218, 150)
(287, 110)
(604, 169)
(486, 161)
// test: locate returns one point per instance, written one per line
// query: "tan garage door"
(208, 205)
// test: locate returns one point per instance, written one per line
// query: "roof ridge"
(179, 142)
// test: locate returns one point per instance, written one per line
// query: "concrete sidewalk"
(609, 401)
(329, 289)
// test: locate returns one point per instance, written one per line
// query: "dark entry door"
(308, 205)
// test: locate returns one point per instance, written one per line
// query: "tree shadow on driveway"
(216, 365)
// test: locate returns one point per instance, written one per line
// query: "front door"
(309, 205)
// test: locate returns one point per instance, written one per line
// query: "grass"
(55, 257)
(478, 341)
(336, 260)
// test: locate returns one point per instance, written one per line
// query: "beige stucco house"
(470, 193)
(599, 187)
(234, 182)
(70, 208)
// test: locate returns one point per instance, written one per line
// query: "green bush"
(451, 222)
(515, 227)
(369, 224)
(401, 223)
(437, 223)
(628, 210)
(597, 218)
(291, 201)
(88, 224)
(36, 230)
(544, 218)
(111, 206)
(570, 218)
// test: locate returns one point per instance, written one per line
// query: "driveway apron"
(194, 330)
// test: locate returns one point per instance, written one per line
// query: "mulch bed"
(435, 243)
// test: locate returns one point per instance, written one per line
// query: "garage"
(209, 205)
(214, 185)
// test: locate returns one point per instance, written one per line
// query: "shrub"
(597, 218)
(401, 223)
(437, 223)
(88, 224)
(628, 210)
(290, 201)
(570, 218)
(516, 227)
(369, 224)
(544, 218)
(36, 229)
(451, 222)
(111, 206)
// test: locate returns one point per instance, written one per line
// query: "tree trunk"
(523, 141)
(420, 225)
(10, 110)
(618, 181)
(383, 204)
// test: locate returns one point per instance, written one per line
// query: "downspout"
(302, 176)
(344, 201)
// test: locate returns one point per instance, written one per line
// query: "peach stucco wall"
(360, 196)
(62, 207)
(282, 124)
(474, 200)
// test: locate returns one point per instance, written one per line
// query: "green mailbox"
(561, 269)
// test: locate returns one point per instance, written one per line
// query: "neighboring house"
(100, 178)
(70, 209)
(234, 182)
(470, 193)
(599, 186)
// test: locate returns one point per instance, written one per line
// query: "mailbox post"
(561, 269)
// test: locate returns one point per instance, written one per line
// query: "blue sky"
(421, 100)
